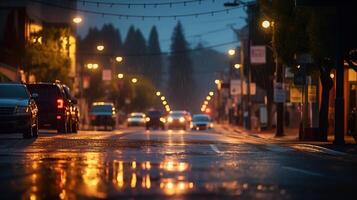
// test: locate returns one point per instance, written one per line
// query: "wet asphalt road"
(139, 164)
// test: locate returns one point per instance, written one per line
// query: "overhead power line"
(144, 5)
(127, 16)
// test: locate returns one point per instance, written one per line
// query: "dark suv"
(155, 120)
(57, 108)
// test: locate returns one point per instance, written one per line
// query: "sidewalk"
(291, 136)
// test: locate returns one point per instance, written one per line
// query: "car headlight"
(22, 109)
(147, 119)
(130, 119)
(170, 119)
(163, 120)
(182, 119)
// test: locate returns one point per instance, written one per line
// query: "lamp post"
(278, 82)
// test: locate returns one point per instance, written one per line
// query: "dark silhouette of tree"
(140, 51)
(154, 60)
(180, 84)
(129, 49)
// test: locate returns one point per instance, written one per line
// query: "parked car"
(155, 120)
(178, 119)
(103, 114)
(73, 108)
(56, 108)
(18, 111)
(136, 119)
(201, 122)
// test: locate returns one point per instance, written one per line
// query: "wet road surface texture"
(139, 164)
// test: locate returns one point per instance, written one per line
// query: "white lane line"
(214, 148)
(302, 171)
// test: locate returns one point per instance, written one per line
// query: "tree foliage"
(180, 71)
(46, 57)
(154, 64)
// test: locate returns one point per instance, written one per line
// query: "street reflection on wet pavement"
(145, 165)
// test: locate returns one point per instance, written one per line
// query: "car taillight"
(60, 103)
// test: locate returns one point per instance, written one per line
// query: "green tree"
(180, 71)
(46, 55)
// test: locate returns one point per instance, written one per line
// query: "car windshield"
(44, 91)
(137, 115)
(13, 92)
(102, 108)
(201, 118)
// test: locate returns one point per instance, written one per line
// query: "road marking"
(302, 171)
(214, 148)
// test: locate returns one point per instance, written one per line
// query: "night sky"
(208, 29)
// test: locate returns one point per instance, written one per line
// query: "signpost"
(107, 75)
(279, 93)
(258, 54)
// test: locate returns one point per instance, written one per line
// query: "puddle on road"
(89, 175)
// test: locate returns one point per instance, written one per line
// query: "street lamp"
(208, 98)
(77, 20)
(100, 47)
(92, 66)
(279, 83)
(231, 52)
(120, 76)
(119, 59)
(158, 93)
(164, 102)
(134, 80)
(211, 93)
(205, 102)
(266, 24)
(163, 98)
(237, 66)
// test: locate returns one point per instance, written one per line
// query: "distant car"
(18, 111)
(155, 120)
(57, 108)
(201, 122)
(103, 114)
(136, 119)
(178, 119)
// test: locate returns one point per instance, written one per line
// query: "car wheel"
(27, 133)
(35, 130)
(62, 127)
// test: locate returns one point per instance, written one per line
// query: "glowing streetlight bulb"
(231, 52)
(158, 93)
(164, 102)
(211, 93)
(205, 102)
(90, 66)
(100, 47)
(95, 66)
(217, 81)
(134, 80)
(237, 66)
(208, 98)
(266, 24)
(332, 75)
(119, 59)
(120, 76)
(77, 20)
(163, 98)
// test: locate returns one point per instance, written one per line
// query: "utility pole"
(339, 99)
